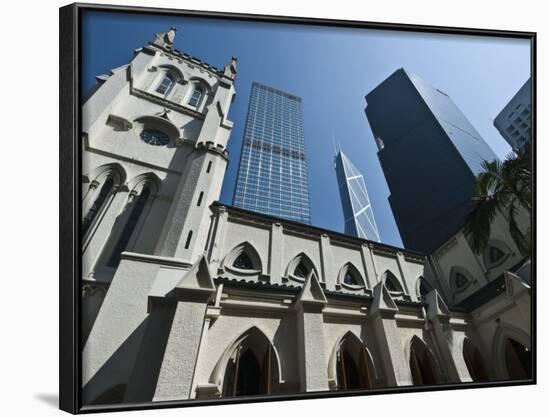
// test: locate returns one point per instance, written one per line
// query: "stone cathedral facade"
(186, 298)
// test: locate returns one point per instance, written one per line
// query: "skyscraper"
(358, 214)
(430, 154)
(272, 177)
(514, 120)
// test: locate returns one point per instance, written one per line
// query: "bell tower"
(154, 137)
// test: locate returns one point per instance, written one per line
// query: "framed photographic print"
(258, 208)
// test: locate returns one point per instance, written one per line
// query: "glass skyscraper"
(358, 214)
(430, 154)
(272, 177)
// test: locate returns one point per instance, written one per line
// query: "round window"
(154, 137)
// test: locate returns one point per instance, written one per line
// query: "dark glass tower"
(272, 177)
(430, 154)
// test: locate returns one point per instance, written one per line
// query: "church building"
(186, 298)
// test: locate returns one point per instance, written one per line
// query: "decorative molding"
(119, 122)
(165, 103)
(155, 259)
(198, 280)
(312, 293)
(191, 61)
(436, 307)
(211, 146)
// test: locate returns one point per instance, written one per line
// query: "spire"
(337, 149)
(230, 69)
(165, 39)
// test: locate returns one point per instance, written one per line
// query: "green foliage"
(502, 186)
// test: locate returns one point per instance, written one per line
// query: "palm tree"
(502, 186)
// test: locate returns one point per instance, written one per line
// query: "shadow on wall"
(116, 370)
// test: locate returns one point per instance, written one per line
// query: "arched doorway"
(422, 364)
(518, 359)
(251, 368)
(474, 361)
(354, 368)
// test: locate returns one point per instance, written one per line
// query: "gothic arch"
(366, 369)
(474, 361)
(111, 168)
(150, 179)
(299, 267)
(499, 248)
(179, 77)
(392, 283)
(244, 249)
(255, 341)
(104, 182)
(424, 367)
(460, 279)
(503, 334)
(143, 190)
(349, 272)
(199, 80)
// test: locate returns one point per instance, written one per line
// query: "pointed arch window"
(299, 268)
(518, 360)
(252, 368)
(460, 279)
(495, 254)
(474, 362)
(196, 96)
(243, 261)
(392, 283)
(351, 367)
(301, 271)
(165, 84)
(98, 204)
(350, 277)
(422, 364)
(134, 215)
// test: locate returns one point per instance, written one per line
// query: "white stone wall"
(173, 311)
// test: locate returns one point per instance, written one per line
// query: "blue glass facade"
(272, 177)
(358, 214)
(430, 154)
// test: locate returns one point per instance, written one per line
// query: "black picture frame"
(70, 206)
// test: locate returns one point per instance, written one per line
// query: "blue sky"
(332, 69)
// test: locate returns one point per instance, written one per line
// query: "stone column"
(217, 250)
(312, 362)
(275, 270)
(192, 295)
(404, 274)
(327, 262)
(368, 266)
